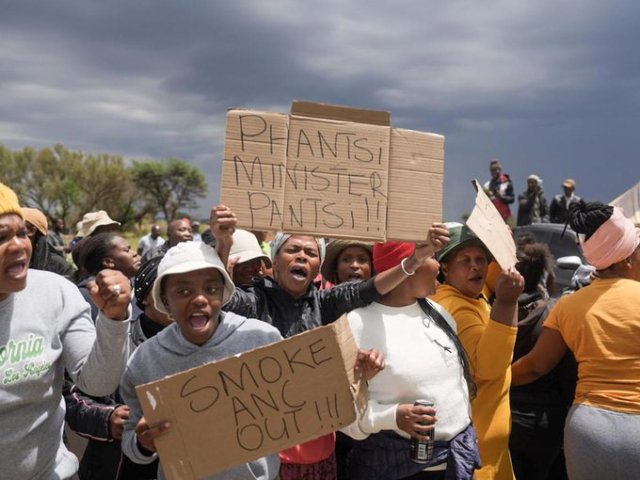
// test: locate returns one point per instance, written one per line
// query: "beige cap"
(36, 218)
(246, 247)
(93, 220)
(569, 183)
(334, 248)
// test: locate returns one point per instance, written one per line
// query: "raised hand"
(111, 292)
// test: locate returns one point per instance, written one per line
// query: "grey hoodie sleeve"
(94, 357)
(129, 441)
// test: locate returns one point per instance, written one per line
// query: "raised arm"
(438, 237)
(222, 222)
(543, 357)
(95, 359)
(509, 286)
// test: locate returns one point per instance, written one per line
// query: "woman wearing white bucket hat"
(192, 286)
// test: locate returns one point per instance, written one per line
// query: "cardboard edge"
(177, 470)
(357, 387)
(339, 112)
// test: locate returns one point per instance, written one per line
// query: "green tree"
(67, 184)
(169, 185)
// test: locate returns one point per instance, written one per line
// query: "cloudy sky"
(551, 88)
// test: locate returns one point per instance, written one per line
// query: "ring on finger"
(117, 289)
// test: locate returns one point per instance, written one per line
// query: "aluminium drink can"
(422, 450)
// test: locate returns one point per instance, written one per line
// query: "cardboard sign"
(332, 171)
(487, 223)
(254, 404)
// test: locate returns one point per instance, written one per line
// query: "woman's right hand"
(146, 434)
(222, 222)
(416, 420)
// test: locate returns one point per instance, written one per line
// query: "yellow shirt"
(489, 346)
(601, 325)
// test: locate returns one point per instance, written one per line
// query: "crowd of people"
(532, 203)
(521, 385)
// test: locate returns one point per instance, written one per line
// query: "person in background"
(101, 419)
(346, 260)
(548, 280)
(424, 360)
(106, 250)
(192, 286)
(94, 223)
(500, 191)
(293, 304)
(153, 239)
(538, 410)
(195, 227)
(600, 324)
(178, 231)
(262, 240)
(488, 334)
(42, 257)
(46, 329)
(246, 259)
(532, 203)
(56, 240)
(559, 208)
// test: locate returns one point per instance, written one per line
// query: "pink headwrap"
(615, 240)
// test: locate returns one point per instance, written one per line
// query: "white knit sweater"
(421, 363)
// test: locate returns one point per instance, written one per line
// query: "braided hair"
(586, 218)
(440, 321)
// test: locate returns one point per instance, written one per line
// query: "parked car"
(565, 249)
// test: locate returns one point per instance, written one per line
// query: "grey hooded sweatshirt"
(46, 329)
(168, 353)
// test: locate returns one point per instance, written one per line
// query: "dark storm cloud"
(547, 87)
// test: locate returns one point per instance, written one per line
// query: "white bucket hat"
(246, 247)
(189, 257)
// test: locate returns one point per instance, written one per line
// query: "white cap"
(246, 247)
(189, 257)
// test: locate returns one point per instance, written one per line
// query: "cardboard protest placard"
(332, 171)
(487, 223)
(254, 404)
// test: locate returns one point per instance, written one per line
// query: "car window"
(563, 246)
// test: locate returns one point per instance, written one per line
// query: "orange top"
(489, 346)
(601, 325)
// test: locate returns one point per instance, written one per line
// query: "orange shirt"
(489, 346)
(601, 325)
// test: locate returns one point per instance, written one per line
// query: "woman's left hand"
(416, 420)
(509, 286)
(111, 292)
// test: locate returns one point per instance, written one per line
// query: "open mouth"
(354, 276)
(17, 270)
(198, 321)
(299, 273)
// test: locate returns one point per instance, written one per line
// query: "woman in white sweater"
(424, 360)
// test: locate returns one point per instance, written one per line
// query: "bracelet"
(404, 269)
